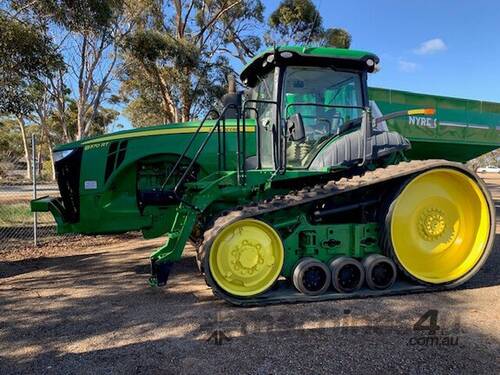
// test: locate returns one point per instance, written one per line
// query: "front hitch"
(160, 273)
(56, 208)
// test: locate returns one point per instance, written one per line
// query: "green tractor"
(292, 192)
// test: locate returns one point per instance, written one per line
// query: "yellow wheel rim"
(246, 257)
(440, 226)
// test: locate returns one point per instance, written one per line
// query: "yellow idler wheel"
(246, 258)
(440, 226)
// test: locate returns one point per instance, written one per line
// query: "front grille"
(68, 179)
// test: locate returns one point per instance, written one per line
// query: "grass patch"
(18, 214)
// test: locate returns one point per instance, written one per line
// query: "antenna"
(314, 23)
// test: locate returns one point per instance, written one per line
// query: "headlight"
(59, 155)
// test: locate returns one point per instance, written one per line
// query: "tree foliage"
(80, 16)
(176, 61)
(295, 21)
(88, 31)
(10, 140)
(241, 29)
(165, 60)
(27, 56)
(299, 22)
(337, 37)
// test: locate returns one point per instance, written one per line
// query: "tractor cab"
(305, 101)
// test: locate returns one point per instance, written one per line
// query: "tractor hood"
(174, 128)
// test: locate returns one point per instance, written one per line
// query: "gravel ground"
(85, 308)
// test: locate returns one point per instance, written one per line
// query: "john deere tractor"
(294, 191)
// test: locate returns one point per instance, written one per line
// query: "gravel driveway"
(87, 310)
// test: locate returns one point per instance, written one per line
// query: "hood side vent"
(116, 155)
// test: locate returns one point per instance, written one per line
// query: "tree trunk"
(80, 123)
(60, 100)
(27, 155)
(186, 108)
(51, 157)
(82, 91)
(168, 103)
(52, 162)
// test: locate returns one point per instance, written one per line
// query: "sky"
(441, 47)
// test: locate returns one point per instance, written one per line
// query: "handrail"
(244, 110)
(241, 148)
(186, 149)
(203, 145)
(257, 134)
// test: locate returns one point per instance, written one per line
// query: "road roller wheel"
(380, 271)
(439, 227)
(311, 277)
(348, 274)
(245, 258)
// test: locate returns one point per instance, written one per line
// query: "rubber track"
(285, 293)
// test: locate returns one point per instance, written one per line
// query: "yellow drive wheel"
(246, 257)
(440, 226)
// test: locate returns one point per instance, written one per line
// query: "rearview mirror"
(295, 127)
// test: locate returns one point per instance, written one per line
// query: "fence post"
(33, 173)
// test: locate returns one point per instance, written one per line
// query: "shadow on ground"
(93, 311)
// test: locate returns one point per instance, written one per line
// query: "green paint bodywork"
(350, 59)
(324, 241)
(461, 129)
(110, 186)
(326, 52)
(112, 206)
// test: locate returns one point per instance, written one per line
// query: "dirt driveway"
(87, 310)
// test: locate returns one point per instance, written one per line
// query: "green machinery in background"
(460, 130)
(308, 186)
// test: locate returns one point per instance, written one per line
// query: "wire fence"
(19, 227)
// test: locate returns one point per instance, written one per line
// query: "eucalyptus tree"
(177, 59)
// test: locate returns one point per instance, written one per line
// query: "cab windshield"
(314, 92)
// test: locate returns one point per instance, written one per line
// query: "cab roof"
(338, 58)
